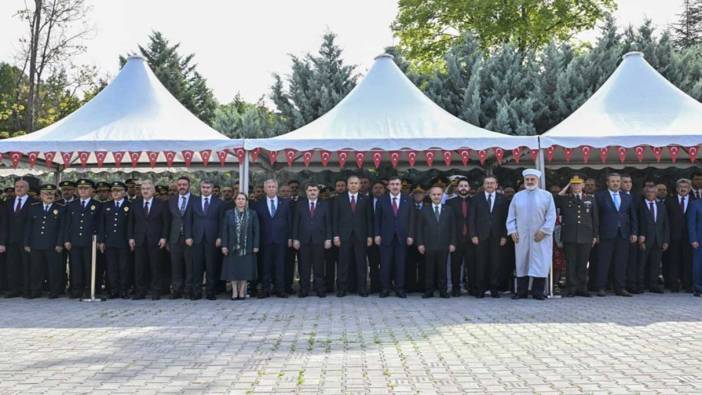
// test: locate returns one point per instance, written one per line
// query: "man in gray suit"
(179, 207)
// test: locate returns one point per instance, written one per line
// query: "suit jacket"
(347, 222)
(114, 225)
(484, 223)
(16, 221)
(308, 229)
(676, 218)
(436, 235)
(387, 225)
(43, 230)
(178, 220)
(579, 218)
(276, 229)
(460, 221)
(228, 231)
(694, 221)
(657, 232)
(148, 230)
(204, 227)
(613, 223)
(82, 223)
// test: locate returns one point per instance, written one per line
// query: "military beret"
(84, 182)
(48, 187)
(162, 188)
(576, 180)
(63, 184)
(118, 184)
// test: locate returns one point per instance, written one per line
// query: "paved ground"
(353, 345)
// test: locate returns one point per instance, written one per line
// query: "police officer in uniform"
(82, 217)
(113, 240)
(579, 232)
(43, 240)
(68, 192)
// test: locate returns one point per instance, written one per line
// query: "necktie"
(617, 202)
(653, 213)
(207, 205)
(436, 212)
(146, 208)
(116, 205)
(311, 209)
(272, 207)
(682, 204)
(489, 201)
(395, 208)
(464, 209)
(182, 206)
(19, 205)
(353, 203)
(46, 209)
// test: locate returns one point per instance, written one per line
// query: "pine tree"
(239, 119)
(687, 32)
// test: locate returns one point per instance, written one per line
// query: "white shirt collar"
(354, 195)
(487, 194)
(395, 196)
(120, 202)
(313, 201)
(148, 201)
(86, 201)
(186, 196)
(275, 199)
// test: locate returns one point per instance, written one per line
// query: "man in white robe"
(530, 222)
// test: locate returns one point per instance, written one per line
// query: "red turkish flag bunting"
(67, 158)
(621, 151)
(412, 158)
(255, 153)
(222, 156)
(170, 157)
(153, 157)
(205, 156)
(100, 157)
(549, 152)
(360, 157)
(394, 158)
(447, 157)
(134, 157)
(465, 156)
(15, 158)
(324, 157)
(692, 153)
(534, 154)
(187, 157)
(586, 150)
(272, 157)
(118, 156)
(307, 158)
(482, 156)
(603, 154)
(83, 157)
(674, 151)
(240, 154)
(343, 156)
(290, 156)
(567, 153)
(48, 158)
(377, 158)
(657, 153)
(639, 151)
(429, 157)
(517, 154)
(32, 158)
(499, 154)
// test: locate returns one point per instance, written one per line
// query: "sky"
(239, 44)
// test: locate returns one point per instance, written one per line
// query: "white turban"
(531, 172)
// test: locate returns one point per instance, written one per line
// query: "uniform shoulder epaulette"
(34, 203)
(60, 204)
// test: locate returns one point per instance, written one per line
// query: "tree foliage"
(687, 31)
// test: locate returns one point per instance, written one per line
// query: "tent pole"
(244, 174)
(541, 166)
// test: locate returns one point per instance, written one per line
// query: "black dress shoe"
(495, 294)
(282, 295)
(456, 293)
(363, 294)
(656, 290)
(195, 297)
(623, 292)
(519, 296)
(53, 296)
(584, 294)
(384, 294)
(175, 295)
(539, 296)
(340, 294)
(322, 294)
(601, 293)
(401, 294)
(138, 297)
(480, 295)
(211, 297)
(444, 295)
(155, 297)
(696, 294)
(124, 295)
(302, 294)
(570, 294)
(10, 295)
(427, 295)
(263, 294)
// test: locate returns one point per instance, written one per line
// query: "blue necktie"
(272, 208)
(617, 200)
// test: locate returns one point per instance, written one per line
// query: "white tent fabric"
(134, 112)
(636, 106)
(386, 111)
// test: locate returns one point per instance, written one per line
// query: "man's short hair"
(610, 175)
(207, 182)
(270, 181)
(184, 178)
(682, 181)
(311, 185)
(393, 178)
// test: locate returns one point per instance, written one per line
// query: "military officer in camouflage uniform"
(579, 232)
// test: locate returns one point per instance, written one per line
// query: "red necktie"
(353, 204)
(395, 208)
(311, 209)
(464, 208)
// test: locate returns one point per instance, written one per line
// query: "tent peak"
(633, 54)
(384, 56)
(135, 57)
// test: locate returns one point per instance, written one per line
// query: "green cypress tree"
(687, 31)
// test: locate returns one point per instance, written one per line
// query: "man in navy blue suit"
(202, 236)
(618, 228)
(274, 215)
(393, 217)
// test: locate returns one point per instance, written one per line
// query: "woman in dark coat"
(240, 242)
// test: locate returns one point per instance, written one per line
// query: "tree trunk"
(33, 49)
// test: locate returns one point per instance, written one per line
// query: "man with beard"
(415, 260)
(180, 209)
(463, 254)
(530, 222)
(678, 267)
(632, 264)
(331, 256)
(436, 238)
(378, 190)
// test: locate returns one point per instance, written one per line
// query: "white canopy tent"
(133, 123)
(636, 116)
(386, 117)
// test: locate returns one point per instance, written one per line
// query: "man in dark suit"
(17, 212)
(353, 230)
(148, 231)
(113, 239)
(181, 213)
(679, 263)
(373, 251)
(292, 257)
(654, 238)
(43, 240)
(312, 234)
(393, 224)
(627, 188)
(202, 235)
(579, 232)
(436, 238)
(414, 276)
(618, 228)
(275, 219)
(488, 234)
(81, 221)
(461, 207)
